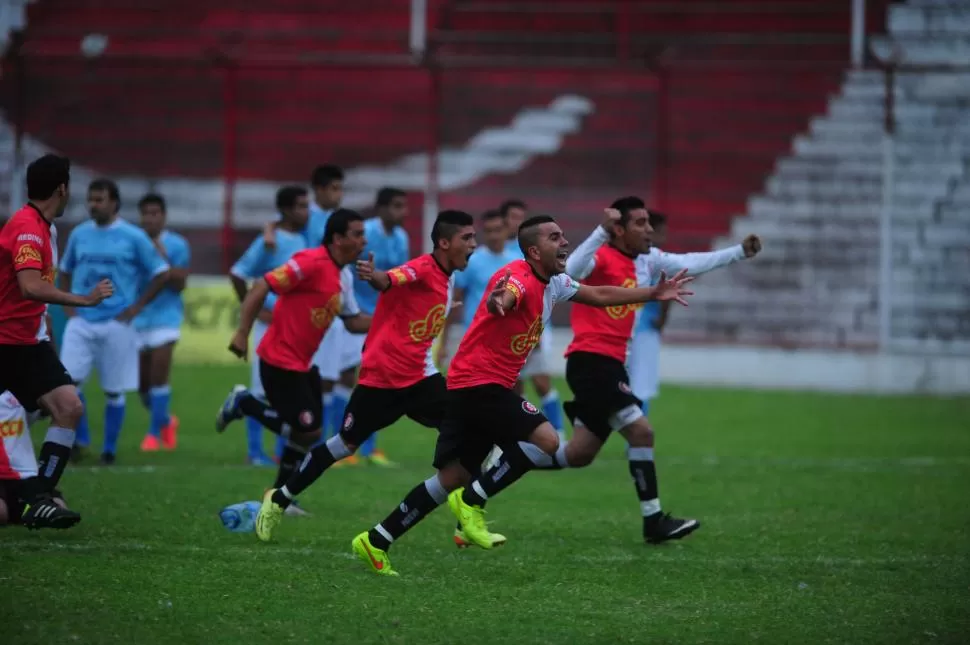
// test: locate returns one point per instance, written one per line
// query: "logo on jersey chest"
(523, 343)
(11, 429)
(321, 317)
(429, 328)
(25, 254)
(622, 311)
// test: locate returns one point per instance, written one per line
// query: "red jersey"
(25, 243)
(495, 348)
(312, 290)
(407, 319)
(16, 451)
(606, 331)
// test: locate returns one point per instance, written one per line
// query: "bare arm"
(251, 306)
(453, 317)
(606, 296)
(177, 279)
(239, 286)
(153, 289)
(33, 287)
(581, 262)
(359, 324)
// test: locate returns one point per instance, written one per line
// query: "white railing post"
(419, 26)
(857, 32)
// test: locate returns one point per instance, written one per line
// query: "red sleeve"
(28, 248)
(516, 286)
(299, 268)
(413, 271)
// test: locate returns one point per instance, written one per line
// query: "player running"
(159, 327)
(617, 254)
(29, 367)
(108, 247)
(482, 408)
(397, 376)
(313, 288)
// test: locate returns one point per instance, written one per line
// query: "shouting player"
(617, 254)
(397, 376)
(159, 326)
(313, 288)
(108, 247)
(482, 407)
(29, 367)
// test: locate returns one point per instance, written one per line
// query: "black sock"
(289, 462)
(513, 464)
(308, 471)
(419, 503)
(54, 455)
(270, 418)
(644, 474)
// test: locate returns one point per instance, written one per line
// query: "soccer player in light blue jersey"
(288, 238)
(388, 244)
(159, 327)
(643, 362)
(536, 368)
(107, 247)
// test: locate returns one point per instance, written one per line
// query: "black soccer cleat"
(107, 458)
(661, 527)
(45, 514)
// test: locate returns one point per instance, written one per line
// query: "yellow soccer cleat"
(375, 558)
(462, 541)
(352, 460)
(378, 458)
(472, 520)
(269, 517)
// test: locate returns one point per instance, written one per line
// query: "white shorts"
(339, 351)
(110, 346)
(158, 337)
(539, 360)
(255, 382)
(643, 365)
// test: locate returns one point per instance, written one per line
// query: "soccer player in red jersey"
(29, 367)
(482, 409)
(314, 287)
(397, 376)
(618, 253)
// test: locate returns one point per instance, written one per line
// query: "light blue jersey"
(512, 246)
(258, 260)
(316, 225)
(167, 310)
(390, 250)
(482, 265)
(120, 252)
(649, 315)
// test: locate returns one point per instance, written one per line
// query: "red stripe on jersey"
(407, 319)
(25, 243)
(605, 331)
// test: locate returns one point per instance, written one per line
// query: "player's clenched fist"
(102, 291)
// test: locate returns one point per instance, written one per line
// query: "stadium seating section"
(717, 110)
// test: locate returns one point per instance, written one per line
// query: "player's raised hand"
(365, 268)
(611, 216)
(675, 288)
(497, 296)
(751, 246)
(239, 345)
(101, 292)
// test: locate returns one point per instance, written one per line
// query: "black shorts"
(601, 387)
(31, 371)
(372, 408)
(476, 418)
(296, 396)
(11, 494)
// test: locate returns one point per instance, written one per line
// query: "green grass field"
(826, 519)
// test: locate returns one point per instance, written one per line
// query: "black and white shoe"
(661, 527)
(45, 514)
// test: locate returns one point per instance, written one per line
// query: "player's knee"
(546, 439)
(579, 456)
(66, 409)
(453, 476)
(639, 434)
(306, 439)
(542, 384)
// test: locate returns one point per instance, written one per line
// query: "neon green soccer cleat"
(269, 517)
(472, 520)
(375, 558)
(462, 541)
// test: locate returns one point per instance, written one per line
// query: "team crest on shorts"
(624, 387)
(349, 421)
(306, 418)
(528, 407)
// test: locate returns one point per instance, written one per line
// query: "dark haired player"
(29, 367)
(313, 287)
(397, 376)
(481, 408)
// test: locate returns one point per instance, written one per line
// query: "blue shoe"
(230, 411)
(260, 461)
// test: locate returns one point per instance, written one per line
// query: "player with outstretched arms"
(29, 367)
(482, 409)
(313, 288)
(618, 254)
(397, 376)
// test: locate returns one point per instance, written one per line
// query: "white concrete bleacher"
(820, 210)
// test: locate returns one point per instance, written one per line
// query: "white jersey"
(17, 459)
